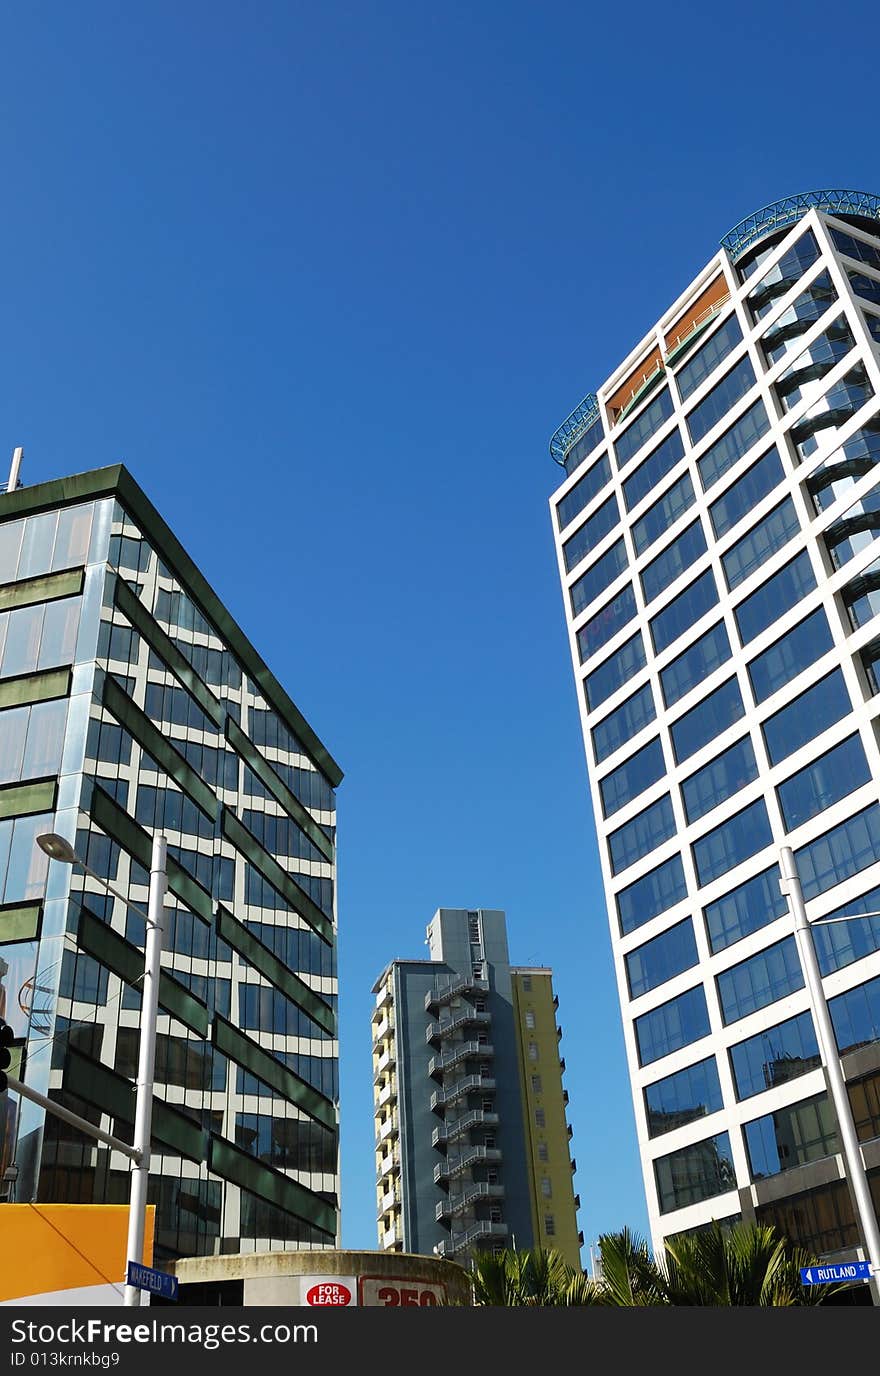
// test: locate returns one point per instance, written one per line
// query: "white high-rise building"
(715, 533)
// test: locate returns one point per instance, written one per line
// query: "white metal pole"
(14, 469)
(137, 1205)
(790, 885)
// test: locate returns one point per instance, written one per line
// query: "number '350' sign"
(399, 1294)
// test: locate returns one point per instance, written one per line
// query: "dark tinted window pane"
(642, 429)
(593, 435)
(643, 834)
(855, 1016)
(661, 959)
(808, 716)
(708, 357)
(674, 1024)
(813, 363)
(783, 276)
(656, 891)
(735, 442)
(623, 723)
(824, 782)
(700, 1171)
(760, 980)
(681, 1098)
(838, 944)
(615, 671)
(803, 312)
(732, 842)
(770, 533)
(856, 529)
(594, 529)
(859, 249)
(833, 410)
(683, 611)
(606, 623)
(653, 469)
(682, 554)
(745, 909)
(719, 780)
(790, 655)
(774, 1056)
(695, 663)
(779, 594)
(583, 492)
(707, 720)
(745, 494)
(842, 469)
(632, 777)
(846, 849)
(663, 514)
(791, 1137)
(598, 577)
(723, 395)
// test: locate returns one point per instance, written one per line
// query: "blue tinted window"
(590, 533)
(719, 780)
(731, 446)
(593, 435)
(598, 577)
(615, 671)
(762, 979)
(868, 288)
(680, 555)
(870, 656)
(800, 315)
(632, 777)
(681, 1098)
(873, 323)
(583, 492)
(681, 613)
(663, 513)
(843, 468)
(653, 469)
(623, 723)
(791, 1137)
(695, 663)
(661, 959)
(674, 1024)
(835, 774)
(838, 944)
(745, 909)
(790, 655)
(652, 894)
(745, 494)
(856, 248)
(707, 720)
(861, 597)
(816, 360)
(856, 529)
(774, 1056)
(708, 357)
(783, 276)
(841, 401)
(770, 533)
(642, 429)
(643, 834)
(846, 849)
(606, 623)
(808, 716)
(735, 840)
(700, 1171)
(779, 594)
(718, 402)
(855, 1016)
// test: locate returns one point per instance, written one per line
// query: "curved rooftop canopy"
(770, 219)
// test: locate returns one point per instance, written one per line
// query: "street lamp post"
(790, 885)
(57, 848)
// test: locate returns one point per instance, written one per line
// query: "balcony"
(459, 1242)
(385, 1129)
(383, 1000)
(569, 1131)
(472, 1156)
(392, 1238)
(558, 1033)
(387, 1164)
(460, 984)
(436, 1031)
(384, 1063)
(470, 1084)
(574, 1165)
(461, 1052)
(474, 1194)
(450, 1132)
(390, 1200)
(387, 1095)
(577, 1202)
(562, 1064)
(384, 1029)
(565, 1097)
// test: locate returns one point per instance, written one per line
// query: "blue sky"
(326, 278)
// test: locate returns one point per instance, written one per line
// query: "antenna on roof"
(17, 455)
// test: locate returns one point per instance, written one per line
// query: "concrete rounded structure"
(326, 1278)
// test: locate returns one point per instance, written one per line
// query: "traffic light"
(7, 1037)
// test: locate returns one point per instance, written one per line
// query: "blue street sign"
(847, 1270)
(157, 1282)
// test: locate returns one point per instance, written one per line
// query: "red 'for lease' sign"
(329, 1293)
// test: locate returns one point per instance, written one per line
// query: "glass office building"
(131, 703)
(715, 532)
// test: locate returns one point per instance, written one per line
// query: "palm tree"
(745, 1264)
(536, 1277)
